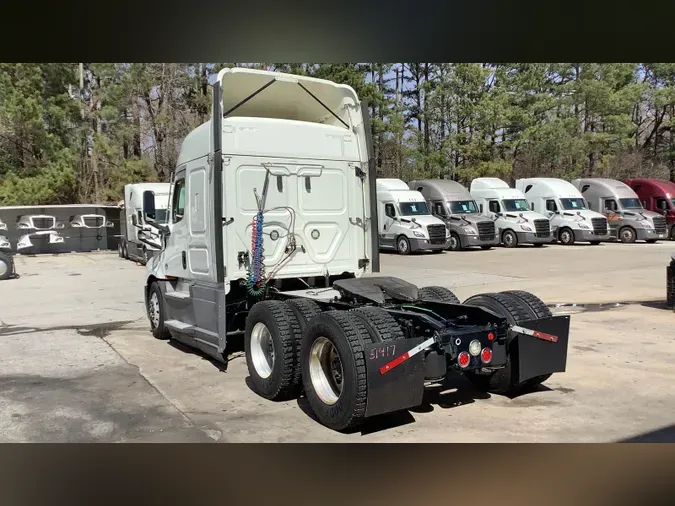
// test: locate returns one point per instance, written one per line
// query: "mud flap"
(400, 387)
(538, 355)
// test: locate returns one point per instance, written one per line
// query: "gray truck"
(453, 203)
(628, 220)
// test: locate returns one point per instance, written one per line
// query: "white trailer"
(272, 235)
(515, 221)
(140, 238)
(406, 224)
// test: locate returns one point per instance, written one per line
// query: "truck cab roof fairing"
(287, 96)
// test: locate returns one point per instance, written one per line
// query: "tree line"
(77, 133)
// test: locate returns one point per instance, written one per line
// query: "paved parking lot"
(79, 363)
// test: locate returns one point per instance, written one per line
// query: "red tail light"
(486, 355)
(463, 359)
(491, 336)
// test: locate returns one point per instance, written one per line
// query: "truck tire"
(486, 247)
(455, 243)
(627, 235)
(146, 257)
(6, 266)
(304, 309)
(380, 325)
(334, 369)
(672, 233)
(156, 314)
(120, 250)
(125, 251)
(538, 310)
(271, 344)
(437, 294)
(566, 236)
(509, 239)
(514, 310)
(538, 306)
(402, 245)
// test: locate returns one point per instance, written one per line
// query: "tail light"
(486, 355)
(463, 359)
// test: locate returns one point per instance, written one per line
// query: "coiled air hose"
(255, 281)
(256, 271)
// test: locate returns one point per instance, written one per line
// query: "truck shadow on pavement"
(663, 435)
(450, 393)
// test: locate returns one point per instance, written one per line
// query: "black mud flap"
(400, 387)
(536, 355)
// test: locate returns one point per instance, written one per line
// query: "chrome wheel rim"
(626, 235)
(402, 245)
(153, 310)
(508, 239)
(262, 350)
(565, 236)
(325, 371)
(453, 242)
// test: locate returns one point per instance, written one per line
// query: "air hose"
(255, 281)
(256, 271)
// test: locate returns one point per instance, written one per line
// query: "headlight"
(526, 228)
(470, 230)
(583, 225)
(75, 224)
(447, 232)
(60, 225)
(418, 234)
(23, 225)
(647, 224)
(110, 224)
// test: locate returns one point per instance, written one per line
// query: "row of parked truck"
(442, 214)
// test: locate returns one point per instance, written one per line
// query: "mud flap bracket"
(397, 386)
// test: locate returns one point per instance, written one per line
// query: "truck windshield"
(463, 207)
(413, 208)
(513, 205)
(630, 203)
(572, 204)
(161, 215)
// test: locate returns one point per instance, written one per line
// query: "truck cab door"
(552, 213)
(389, 229)
(610, 210)
(175, 251)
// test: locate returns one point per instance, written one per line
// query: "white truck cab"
(571, 219)
(516, 223)
(273, 233)
(140, 238)
(406, 224)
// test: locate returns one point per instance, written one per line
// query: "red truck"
(657, 195)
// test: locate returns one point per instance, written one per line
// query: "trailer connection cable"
(255, 282)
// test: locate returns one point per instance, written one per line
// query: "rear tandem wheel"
(515, 309)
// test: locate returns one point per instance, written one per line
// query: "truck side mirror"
(149, 205)
(134, 220)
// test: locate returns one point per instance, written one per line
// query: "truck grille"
(542, 228)
(94, 222)
(436, 234)
(43, 223)
(660, 224)
(486, 230)
(599, 226)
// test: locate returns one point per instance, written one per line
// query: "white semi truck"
(140, 237)
(272, 236)
(406, 224)
(571, 219)
(516, 223)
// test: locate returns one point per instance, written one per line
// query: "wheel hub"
(262, 350)
(325, 371)
(153, 310)
(402, 245)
